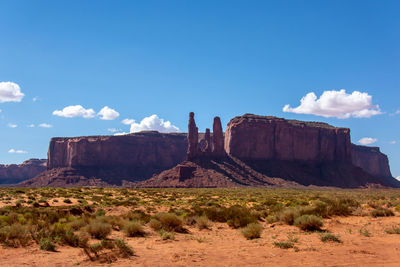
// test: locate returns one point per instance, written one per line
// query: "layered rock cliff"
(254, 151)
(371, 160)
(271, 138)
(112, 159)
(15, 173)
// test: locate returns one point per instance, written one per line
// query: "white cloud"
(128, 121)
(35, 99)
(153, 123)
(31, 126)
(367, 141)
(75, 111)
(123, 133)
(113, 130)
(393, 142)
(107, 113)
(336, 104)
(398, 112)
(10, 92)
(398, 178)
(12, 125)
(13, 151)
(45, 125)
(0, 110)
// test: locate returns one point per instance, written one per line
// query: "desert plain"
(199, 227)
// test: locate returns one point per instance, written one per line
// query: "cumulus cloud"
(10, 92)
(107, 113)
(113, 130)
(75, 111)
(153, 123)
(128, 121)
(367, 141)
(45, 125)
(12, 125)
(123, 133)
(393, 142)
(17, 151)
(337, 104)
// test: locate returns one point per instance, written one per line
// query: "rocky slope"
(15, 173)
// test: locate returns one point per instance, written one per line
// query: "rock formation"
(371, 160)
(193, 138)
(270, 138)
(218, 138)
(259, 151)
(14, 173)
(207, 138)
(132, 157)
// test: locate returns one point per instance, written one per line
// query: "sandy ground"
(223, 246)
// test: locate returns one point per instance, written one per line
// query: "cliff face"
(14, 173)
(114, 158)
(371, 160)
(270, 138)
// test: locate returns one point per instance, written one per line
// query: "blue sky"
(226, 58)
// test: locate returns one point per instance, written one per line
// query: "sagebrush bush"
(252, 230)
(284, 244)
(203, 222)
(308, 222)
(155, 224)
(165, 235)
(289, 215)
(328, 237)
(235, 216)
(170, 222)
(98, 229)
(47, 244)
(381, 212)
(133, 229)
(15, 235)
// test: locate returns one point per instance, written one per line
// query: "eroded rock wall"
(372, 160)
(132, 157)
(15, 173)
(271, 138)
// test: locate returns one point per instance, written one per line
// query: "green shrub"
(252, 230)
(98, 229)
(155, 224)
(308, 222)
(382, 212)
(235, 216)
(133, 229)
(170, 222)
(165, 235)
(47, 244)
(15, 235)
(393, 230)
(124, 249)
(203, 222)
(284, 244)
(328, 237)
(67, 201)
(289, 215)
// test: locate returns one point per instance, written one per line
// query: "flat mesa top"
(256, 118)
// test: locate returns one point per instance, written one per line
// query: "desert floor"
(223, 246)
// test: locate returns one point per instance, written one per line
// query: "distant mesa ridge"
(261, 151)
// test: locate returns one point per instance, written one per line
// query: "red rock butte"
(260, 151)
